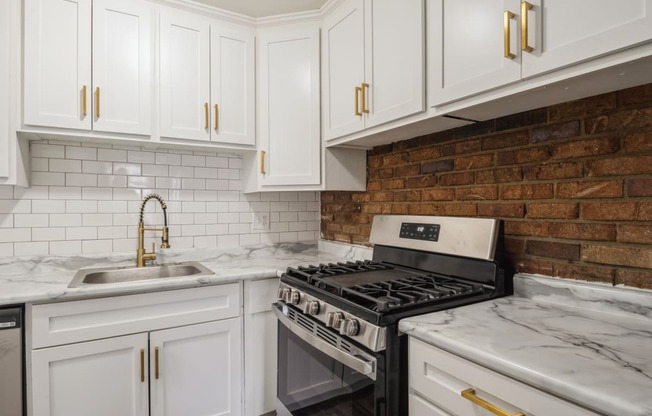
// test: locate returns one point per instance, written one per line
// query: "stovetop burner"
(381, 287)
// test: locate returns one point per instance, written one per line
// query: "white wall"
(86, 199)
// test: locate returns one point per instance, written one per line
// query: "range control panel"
(417, 231)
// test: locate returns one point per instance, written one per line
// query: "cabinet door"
(467, 40)
(121, 66)
(197, 369)
(566, 32)
(343, 69)
(289, 106)
(99, 378)
(185, 88)
(420, 407)
(394, 64)
(57, 62)
(232, 86)
(5, 62)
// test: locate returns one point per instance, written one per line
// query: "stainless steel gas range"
(339, 349)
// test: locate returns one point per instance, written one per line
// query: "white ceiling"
(264, 8)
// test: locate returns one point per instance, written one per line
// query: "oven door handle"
(361, 365)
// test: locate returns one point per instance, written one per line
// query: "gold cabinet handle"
(357, 102)
(97, 102)
(507, 16)
(84, 106)
(217, 117)
(142, 365)
(525, 6)
(262, 162)
(156, 372)
(364, 88)
(206, 116)
(469, 394)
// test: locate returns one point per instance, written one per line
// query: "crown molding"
(329, 6)
(291, 18)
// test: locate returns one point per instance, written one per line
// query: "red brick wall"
(572, 182)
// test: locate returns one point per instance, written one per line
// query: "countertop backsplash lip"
(586, 343)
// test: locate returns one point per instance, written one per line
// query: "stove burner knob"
(311, 307)
(295, 297)
(334, 319)
(350, 327)
(282, 293)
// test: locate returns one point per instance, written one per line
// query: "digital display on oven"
(416, 231)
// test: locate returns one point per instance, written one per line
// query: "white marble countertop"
(46, 279)
(590, 344)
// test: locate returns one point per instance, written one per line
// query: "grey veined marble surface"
(44, 279)
(590, 344)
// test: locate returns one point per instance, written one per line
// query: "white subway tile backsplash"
(48, 179)
(65, 220)
(81, 153)
(85, 198)
(31, 249)
(31, 220)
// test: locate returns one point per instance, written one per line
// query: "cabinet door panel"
(289, 96)
(344, 43)
(57, 63)
(185, 85)
(232, 85)
(466, 38)
(5, 62)
(394, 64)
(420, 407)
(200, 369)
(567, 32)
(99, 378)
(121, 65)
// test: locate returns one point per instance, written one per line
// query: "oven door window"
(311, 383)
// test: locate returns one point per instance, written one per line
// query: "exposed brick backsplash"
(572, 182)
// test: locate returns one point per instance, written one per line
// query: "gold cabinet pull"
(507, 16)
(364, 88)
(217, 117)
(357, 102)
(142, 365)
(156, 373)
(84, 106)
(206, 124)
(525, 6)
(469, 394)
(97, 102)
(262, 162)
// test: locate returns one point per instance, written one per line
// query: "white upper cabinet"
(289, 107)
(67, 86)
(479, 45)
(343, 69)
(233, 92)
(207, 80)
(5, 83)
(474, 46)
(185, 75)
(121, 66)
(57, 60)
(566, 32)
(373, 64)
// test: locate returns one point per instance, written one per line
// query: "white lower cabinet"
(185, 358)
(260, 336)
(443, 384)
(99, 378)
(195, 370)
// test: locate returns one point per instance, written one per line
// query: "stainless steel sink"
(134, 274)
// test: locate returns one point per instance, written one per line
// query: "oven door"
(321, 373)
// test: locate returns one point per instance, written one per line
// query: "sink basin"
(134, 274)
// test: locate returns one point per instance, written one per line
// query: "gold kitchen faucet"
(143, 256)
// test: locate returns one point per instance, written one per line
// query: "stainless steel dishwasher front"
(11, 362)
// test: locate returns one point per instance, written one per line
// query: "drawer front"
(83, 320)
(260, 294)
(421, 407)
(441, 377)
